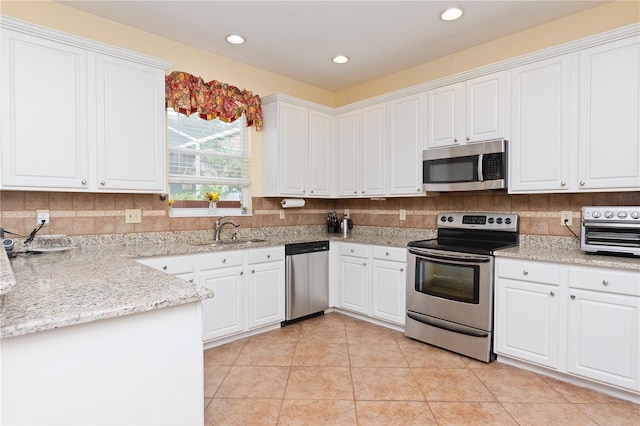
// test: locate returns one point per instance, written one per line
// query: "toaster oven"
(611, 230)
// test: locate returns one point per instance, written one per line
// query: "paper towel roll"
(288, 203)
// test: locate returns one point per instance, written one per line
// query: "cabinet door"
(321, 154)
(406, 141)
(44, 114)
(609, 121)
(388, 291)
(130, 126)
(374, 150)
(485, 99)
(223, 315)
(266, 294)
(293, 134)
(443, 116)
(354, 283)
(527, 321)
(539, 149)
(604, 337)
(349, 158)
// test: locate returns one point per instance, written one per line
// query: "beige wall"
(597, 20)
(79, 214)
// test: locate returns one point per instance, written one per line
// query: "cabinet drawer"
(221, 259)
(529, 271)
(397, 254)
(355, 250)
(606, 280)
(170, 264)
(269, 254)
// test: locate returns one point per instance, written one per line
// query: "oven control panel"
(611, 214)
(488, 221)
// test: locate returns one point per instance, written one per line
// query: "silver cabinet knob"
(605, 282)
(304, 191)
(102, 182)
(352, 250)
(364, 263)
(401, 269)
(241, 272)
(418, 190)
(355, 192)
(84, 181)
(268, 256)
(253, 271)
(164, 267)
(455, 140)
(311, 191)
(191, 280)
(363, 192)
(573, 296)
(387, 254)
(581, 183)
(525, 272)
(563, 183)
(468, 138)
(224, 260)
(552, 293)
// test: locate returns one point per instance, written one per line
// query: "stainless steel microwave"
(471, 167)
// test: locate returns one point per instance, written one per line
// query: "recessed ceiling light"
(451, 14)
(235, 39)
(340, 59)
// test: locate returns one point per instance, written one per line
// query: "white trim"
(81, 42)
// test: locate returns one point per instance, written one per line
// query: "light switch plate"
(403, 214)
(132, 216)
(281, 214)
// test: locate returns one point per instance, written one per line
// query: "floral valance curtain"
(189, 94)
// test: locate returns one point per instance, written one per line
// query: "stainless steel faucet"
(220, 225)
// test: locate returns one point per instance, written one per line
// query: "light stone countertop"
(89, 283)
(571, 256)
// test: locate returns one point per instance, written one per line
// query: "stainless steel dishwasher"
(307, 279)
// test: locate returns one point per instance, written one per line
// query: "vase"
(212, 208)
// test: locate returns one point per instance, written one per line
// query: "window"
(206, 156)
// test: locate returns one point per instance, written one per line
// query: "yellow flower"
(171, 202)
(212, 197)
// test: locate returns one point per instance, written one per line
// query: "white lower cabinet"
(248, 286)
(582, 321)
(603, 326)
(372, 281)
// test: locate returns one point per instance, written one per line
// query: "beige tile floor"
(336, 370)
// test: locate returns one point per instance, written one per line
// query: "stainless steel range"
(611, 230)
(450, 282)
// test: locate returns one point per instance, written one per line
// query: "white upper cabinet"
(349, 153)
(469, 111)
(44, 114)
(374, 150)
(79, 115)
(444, 109)
(575, 121)
(297, 144)
(485, 107)
(609, 116)
(406, 139)
(540, 126)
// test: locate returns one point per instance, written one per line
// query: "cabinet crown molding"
(14, 24)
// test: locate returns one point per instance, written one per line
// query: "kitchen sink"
(232, 242)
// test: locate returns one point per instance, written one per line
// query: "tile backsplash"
(95, 214)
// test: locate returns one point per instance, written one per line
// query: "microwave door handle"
(480, 160)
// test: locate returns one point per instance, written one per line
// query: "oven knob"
(507, 221)
(608, 214)
(491, 220)
(443, 219)
(635, 215)
(622, 215)
(596, 214)
(450, 219)
(499, 220)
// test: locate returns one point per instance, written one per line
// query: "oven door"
(451, 286)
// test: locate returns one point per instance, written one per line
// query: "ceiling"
(297, 39)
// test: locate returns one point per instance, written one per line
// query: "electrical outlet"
(281, 214)
(566, 218)
(403, 214)
(132, 216)
(346, 213)
(42, 215)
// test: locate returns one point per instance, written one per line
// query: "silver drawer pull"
(605, 282)
(401, 269)
(387, 254)
(525, 272)
(224, 260)
(164, 267)
(253, 271)
(241, 272)
(573, 296)
(268, 256)
(352, 250)
(552, 293)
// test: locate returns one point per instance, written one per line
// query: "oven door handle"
(446, 325)
(456, 257)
